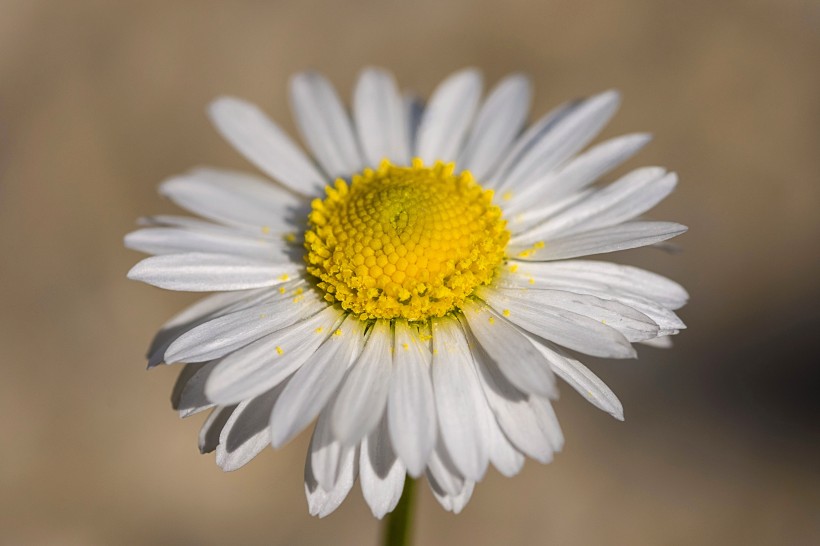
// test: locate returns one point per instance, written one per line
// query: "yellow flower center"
(410, 242)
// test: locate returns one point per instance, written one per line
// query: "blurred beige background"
(101, 100)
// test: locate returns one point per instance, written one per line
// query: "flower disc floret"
(404, 242)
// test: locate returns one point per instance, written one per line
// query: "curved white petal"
(578, 173)
(582, 380)
(520, 363)
(505, 458)
(200, 272)
(322, 501)
(599, 241)
(662, 342)
(201, 311)
(324, 124)
(188, 396)
(312, 386)
(568, 328)
(548, 421)
(447, 117)
(442, 473)
(632, 195)
(411, 409)
(236, 199)
(632, 324)
(363, 396)
(511, 409)
(462, 409)
(266, 362)
(229, 332)
(456, 502)
(380, 119)
(167, 240)
(381, 473)
(595, 275)
(247, 431)
(212, 427)
(265, 145)
(563, 134)
(327, 455)
(498, 122)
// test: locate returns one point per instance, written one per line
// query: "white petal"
(199, 272)
(165, 240)
(247, 432)
(522, 221)
(630, 196)
(599, 241)
(442, 473)
(462, 409)
(548, 421)
(232, 331)
(567, 328)
(498, 122)
(663, 342)
(265, 145)
(600, 276)
(565, 134)
(668, 322)
(327, 455)
(188, 396)
(505, 458)
(363, 396)
(634, 325)
(324, 124)
(512, 410)
(580, 172)
(380, 119)
(520, 363)
(212, 427)
(265, 363)
(312, 386)
(411, 409)
(452, 502)
(582, 380)
(202, 310)
(322, 502)
(381, 472)
(448, 116)
(236, 199)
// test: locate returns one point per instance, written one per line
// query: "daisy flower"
(414, 285)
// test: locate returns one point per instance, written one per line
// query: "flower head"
(414, 291)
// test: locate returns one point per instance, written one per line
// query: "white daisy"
(414, 290)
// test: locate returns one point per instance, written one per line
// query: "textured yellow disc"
(410, 242)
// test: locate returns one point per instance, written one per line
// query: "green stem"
(399, 523)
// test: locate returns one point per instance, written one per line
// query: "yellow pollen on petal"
(404, 242)
(279, 350)
(506, 312)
